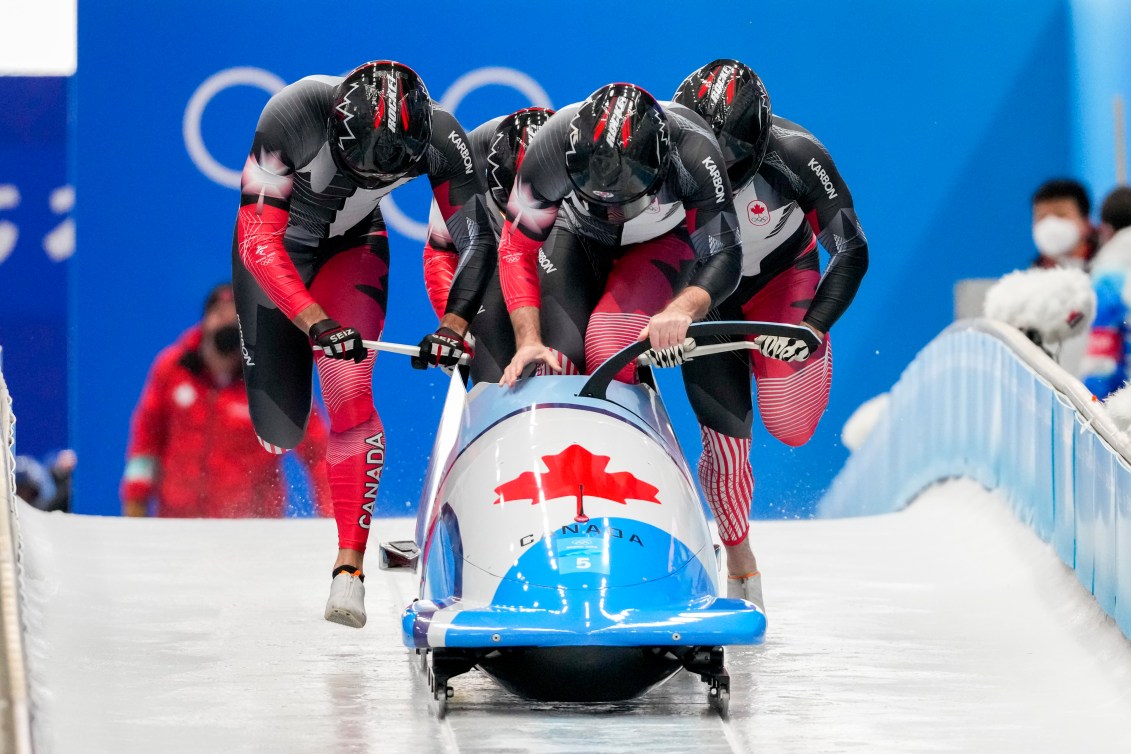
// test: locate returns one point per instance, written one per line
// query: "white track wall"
(15, 719)
(982, 402)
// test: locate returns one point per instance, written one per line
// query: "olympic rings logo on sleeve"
(259, 78)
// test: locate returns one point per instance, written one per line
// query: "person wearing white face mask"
(1065, 239)
(1052, 302)
(1062, 232)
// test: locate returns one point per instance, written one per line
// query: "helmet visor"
(385, 152)
(735, 149)
(366, 179)
(615, 214)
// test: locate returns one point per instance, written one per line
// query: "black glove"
(443, 348)
(338, 342)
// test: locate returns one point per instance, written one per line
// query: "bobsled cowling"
(553, 520)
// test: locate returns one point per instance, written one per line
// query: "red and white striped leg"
(728, 483)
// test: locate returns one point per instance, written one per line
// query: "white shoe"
(347, 599)
(748, 587)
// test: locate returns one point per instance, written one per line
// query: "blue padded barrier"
(1123, 542)
(983, 402)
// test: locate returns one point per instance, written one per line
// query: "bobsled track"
(945, 627)
(957, 616)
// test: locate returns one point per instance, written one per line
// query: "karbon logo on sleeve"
(464, 154)
(716, 180)
(827, 182)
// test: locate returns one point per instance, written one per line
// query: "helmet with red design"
(734, 101)
(508, 146)
(380, 124)
(618, 152)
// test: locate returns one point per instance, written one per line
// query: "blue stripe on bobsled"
(722, 622)
(545, 601)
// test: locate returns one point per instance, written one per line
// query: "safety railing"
(15, 708)
(983, 402)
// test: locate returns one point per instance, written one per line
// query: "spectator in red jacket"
(192, 449)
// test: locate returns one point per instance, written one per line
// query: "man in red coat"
(192, 447)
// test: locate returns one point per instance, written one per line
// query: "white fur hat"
(1053, 304)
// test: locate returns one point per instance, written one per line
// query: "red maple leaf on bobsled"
(575, 472)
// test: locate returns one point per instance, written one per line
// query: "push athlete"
(498, 148)
(788, 194)
(311, 266)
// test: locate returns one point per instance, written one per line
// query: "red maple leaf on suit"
(573, 472)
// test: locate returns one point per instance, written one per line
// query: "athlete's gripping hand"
(667, 330)
(443, 348)
(784, 348)
(531, 353)
(338, 342)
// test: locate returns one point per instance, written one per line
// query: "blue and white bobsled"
(564, 549)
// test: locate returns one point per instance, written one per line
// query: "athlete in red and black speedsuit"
(311, 265)
(620, 226)
(788, 194)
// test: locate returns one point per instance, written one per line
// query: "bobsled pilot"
(620, 227)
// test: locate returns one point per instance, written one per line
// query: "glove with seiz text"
(338, 342)
(782, 348)
(443, 348)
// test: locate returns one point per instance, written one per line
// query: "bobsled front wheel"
(707, 663)
(420, 661)
(439, 702)
(719, 699)
(443, 664)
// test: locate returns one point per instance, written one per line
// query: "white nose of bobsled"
(567, 497)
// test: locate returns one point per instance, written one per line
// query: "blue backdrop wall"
(36, 240)
(942, 117)
(1101, 72)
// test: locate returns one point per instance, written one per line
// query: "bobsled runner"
(561, 544)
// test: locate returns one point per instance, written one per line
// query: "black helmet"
(381, 123)
(508, 147)
(734, 101)
(618, 151)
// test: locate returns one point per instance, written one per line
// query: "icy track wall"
(15, 727)
(983, 402)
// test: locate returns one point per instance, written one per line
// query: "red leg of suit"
(642, 282)
(792, 396)
(350, 286)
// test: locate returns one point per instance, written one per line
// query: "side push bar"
(598, 383)
(398, 348)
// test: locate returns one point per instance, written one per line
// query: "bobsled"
(561, 544)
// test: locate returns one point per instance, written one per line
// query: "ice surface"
(948, 627)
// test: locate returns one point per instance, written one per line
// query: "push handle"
(598, 383)
(400, 348)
